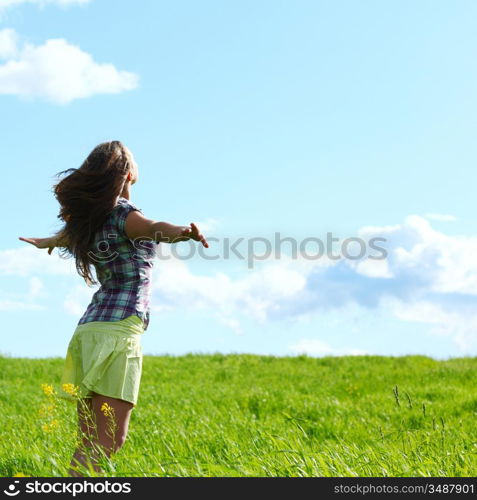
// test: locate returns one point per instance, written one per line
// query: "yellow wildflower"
(20, 474)
(106, 409)
(49, 427)
(48, 389)
(46, 410)
(70, 389)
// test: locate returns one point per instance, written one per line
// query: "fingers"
(195, 229)
(199, 236)
(37, 242)
(28, 240)
(194, 233)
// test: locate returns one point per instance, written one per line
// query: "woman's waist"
(117, 287)
(131, 325)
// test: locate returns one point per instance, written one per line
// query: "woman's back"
(123, 268)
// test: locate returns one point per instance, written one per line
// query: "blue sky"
(251, 118)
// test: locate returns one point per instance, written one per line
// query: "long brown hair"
(87, 196)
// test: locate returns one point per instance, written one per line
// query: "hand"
(41, 243)
(194, 233)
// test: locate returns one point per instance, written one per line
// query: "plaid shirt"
(123, 268)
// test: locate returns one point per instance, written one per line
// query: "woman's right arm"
(58, 240)
(138, 226)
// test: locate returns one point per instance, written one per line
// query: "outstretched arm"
(138, 226)
(51, 242)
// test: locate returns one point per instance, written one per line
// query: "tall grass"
(247, 415)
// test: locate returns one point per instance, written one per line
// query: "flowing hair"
(87, 195)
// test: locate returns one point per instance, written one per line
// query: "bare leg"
(111, 441)
(87, 433)
(107, 434)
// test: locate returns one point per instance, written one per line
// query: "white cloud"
(64, 3)
(428, 277)
(373, 268)
(8, 43)
(422, 259)
(10, 301)
(18, 305)
(442, 217)
(28, 260)
(56, 71)
(36, 288)
(208, 226)
(78, 299)
(256, 294)
(315, 347)
(460, 323)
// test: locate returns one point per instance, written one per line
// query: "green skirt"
(105, 357)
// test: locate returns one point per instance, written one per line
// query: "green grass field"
(246, 415)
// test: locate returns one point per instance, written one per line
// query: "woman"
(105, 231)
